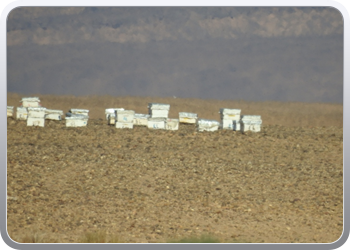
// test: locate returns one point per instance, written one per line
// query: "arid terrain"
(283, 184)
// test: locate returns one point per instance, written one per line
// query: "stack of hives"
(125, 118)
(77, 118)
(10, 111)
(26, 102)
(159, 117)
(110, 115)
(36, 116)
(33, 102)
(251, 123)
(230, 119)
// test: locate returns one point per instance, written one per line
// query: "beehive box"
(22, 113)
(111, 111)
(111, 119)
(76, 120)
(185, 117)
(141, 119)
(10, 111)
(156, 123)
(251, 123)
(231, 125)
(35, 121)
(226, 124)
(129, 125)
(53, 114)
(79, 111)
(158, 110)
(36, 112)
(30, 102)
(207, 125)
(125, 116)
(230, 114)
(172, 124)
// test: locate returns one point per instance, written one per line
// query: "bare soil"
(283, 184)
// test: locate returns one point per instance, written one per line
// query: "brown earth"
(283, 184)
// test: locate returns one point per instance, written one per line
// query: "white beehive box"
(207, 125)
(76, 120)
(227, 124)
(141, 119)
(155, 113)
(125, 115)
(251, 123)
(185, 117)
(36, 112)
(111, 111)
(234, 125)
(79, 111)
(22, 113)
(172, 124)
(9, 111)
(35, 121)
(30, 102)
(230, 114)
(128, 125)
(158, 110)
(111, 119)
(53, 114)
(156, 123)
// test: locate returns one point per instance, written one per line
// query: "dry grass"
(196, 239)
(36, 237)
(273, 113)
(99, 237)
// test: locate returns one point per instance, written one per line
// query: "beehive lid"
(186, 114)
(79, 110)
(225, 111)
(30, 99)
(131, 112)
(208, 122)
(159, 106)
(112, 110)
(36, 109)
(10, 107)
(84, 117)
(53, 111)
(75, 116)
(251, 117)
(142, 116)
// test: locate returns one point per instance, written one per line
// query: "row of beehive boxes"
(37, 116)
(157, 117)
(32, 111)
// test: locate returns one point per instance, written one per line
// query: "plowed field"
(283, 184)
